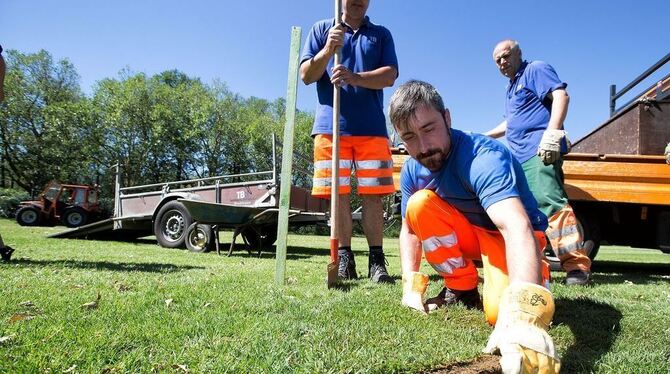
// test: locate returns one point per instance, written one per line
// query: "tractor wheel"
(171, 224)
(260, 237)
(28, 216)
(199, 237)
(75, 217)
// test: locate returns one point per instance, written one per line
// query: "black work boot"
(577, 278)
(377, 268)
(6, 253)
(446, 297)
(347, 266)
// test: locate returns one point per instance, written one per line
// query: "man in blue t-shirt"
(536, 104)
(368, 65)
(465, 198)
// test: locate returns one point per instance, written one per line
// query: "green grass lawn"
(164, 310)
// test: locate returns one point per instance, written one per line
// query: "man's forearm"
(377, 79)
(311, 70)
(410, 250)
(497, 131)
(523, 256)
(559, 109)
(521, 249)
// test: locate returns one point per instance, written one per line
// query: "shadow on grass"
(292, 252)
(614, 272)
(595, 326)
(101, 265)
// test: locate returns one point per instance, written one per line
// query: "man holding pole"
(368, 65)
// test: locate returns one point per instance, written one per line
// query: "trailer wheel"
(588, 227)
(170, 225)
(199, 237)
(28, 216)
(75, 217)
(258, 237)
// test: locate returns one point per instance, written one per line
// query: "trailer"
(190, 213)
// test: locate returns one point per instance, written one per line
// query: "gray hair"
(513, 45)
(409, 97)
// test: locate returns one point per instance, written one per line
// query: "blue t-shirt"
(361, 109)
(527, 108)
(477, 173)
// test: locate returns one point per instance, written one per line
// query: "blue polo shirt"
(527, 108)
(361, 109)
(477, 173)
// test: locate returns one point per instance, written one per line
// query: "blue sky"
(591, 44)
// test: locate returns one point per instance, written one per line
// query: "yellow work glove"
(550, 146)
(414, 286)
(520, 335)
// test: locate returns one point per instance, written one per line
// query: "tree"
(44, 122)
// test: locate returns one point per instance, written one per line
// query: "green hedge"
(9, 201)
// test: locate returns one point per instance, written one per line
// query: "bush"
(106, 207)
(9, 201)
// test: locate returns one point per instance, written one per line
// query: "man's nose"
(424, 144)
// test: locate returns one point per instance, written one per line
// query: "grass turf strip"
(170, 311)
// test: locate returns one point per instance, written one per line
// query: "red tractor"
(72, 204)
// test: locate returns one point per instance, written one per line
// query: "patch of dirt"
(486, 364)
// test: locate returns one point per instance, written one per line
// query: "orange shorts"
(369, 156)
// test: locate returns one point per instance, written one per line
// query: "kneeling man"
(465, 198)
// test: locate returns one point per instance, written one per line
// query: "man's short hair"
(409, 97)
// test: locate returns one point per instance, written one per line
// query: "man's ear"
(447, 118)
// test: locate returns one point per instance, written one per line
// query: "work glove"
(520, 335)
(550, 146)
(414, 286)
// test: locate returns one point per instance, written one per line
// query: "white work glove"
(414, 286)
(667, 153)
(550, 146)
(525, 312)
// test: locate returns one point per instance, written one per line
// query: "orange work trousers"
(450, 243)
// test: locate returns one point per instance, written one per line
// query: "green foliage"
(43, 125)
(158, 128)
(9, 201)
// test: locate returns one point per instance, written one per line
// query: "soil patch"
(486, 364)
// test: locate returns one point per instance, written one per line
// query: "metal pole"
(612, 99)
(287, 156)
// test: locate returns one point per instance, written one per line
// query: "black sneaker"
(347, 266)
(6, 253)
(446, 297)
(577, 278)
(377, 268)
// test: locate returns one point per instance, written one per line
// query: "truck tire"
(75, 217)
(199, 237)
(260, 237)
(590, 230)
(170, 225)
(28, 216)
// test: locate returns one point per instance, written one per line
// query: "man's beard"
(432, 159)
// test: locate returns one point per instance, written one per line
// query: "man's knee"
(419, 203)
